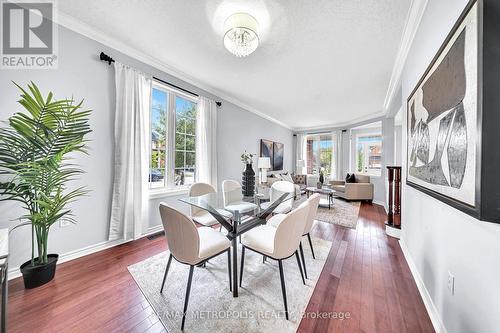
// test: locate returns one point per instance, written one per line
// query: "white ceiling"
(321, 62)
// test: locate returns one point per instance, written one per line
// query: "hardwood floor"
(365, 276)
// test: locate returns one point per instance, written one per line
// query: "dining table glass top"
(231, 201)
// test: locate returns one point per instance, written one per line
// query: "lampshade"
(301, 163)
(240, 34)
(264, 163)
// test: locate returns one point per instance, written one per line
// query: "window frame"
(317, 138)
(368, 134)
(169, 187)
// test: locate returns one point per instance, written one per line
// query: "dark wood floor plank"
(365, 275)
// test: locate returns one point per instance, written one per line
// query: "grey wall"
(439, 238)
(81, 74)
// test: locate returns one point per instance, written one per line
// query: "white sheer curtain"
(206, 141)
(129, 210)
(300, 153)
(336, 162)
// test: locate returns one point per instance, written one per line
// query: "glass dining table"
(236, 215)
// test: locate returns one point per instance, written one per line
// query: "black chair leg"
(220, 228)
(311, 245)
(264, 259)
(229, 268)
(302, 258)
(242, 263)
(282, 278)
(300, 267)
(186, 299)
(166, 272)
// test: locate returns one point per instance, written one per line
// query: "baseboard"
(429, 304)
(14, 272)
(380, 203)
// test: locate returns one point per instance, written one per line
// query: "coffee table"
(330, 199)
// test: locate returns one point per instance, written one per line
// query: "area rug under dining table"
(212, 308)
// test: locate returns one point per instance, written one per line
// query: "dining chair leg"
(186, 299)
(264, 259)
(242, 263)
(303, 259)
(229, 268)
(311, 245)
(166, 272)
(220, 228)
(282, 278)
(300, 267)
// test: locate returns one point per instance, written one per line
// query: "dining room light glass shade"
(241, 34)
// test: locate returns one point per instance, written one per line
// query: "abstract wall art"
(278, 154)
(442, 118)
(266, 150)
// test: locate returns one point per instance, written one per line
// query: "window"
(173, 138)
(369, 154)
(185, 141)
(319, 154)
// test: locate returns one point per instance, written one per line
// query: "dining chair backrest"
(231, 191)
(196, 190)
(313, 209)
(290, 231)
(182, 235)
(279, 188)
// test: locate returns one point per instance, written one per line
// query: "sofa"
(361, 189)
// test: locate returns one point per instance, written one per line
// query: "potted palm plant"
(35, 170)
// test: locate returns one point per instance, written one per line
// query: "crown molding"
(376, 116)
(414, 17)
(86, 30)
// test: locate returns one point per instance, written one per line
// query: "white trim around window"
(166, 176)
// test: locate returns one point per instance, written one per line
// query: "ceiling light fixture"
(241, 34)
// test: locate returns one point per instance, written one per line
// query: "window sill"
(162, 193)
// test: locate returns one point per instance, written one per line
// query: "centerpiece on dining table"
(248, 175)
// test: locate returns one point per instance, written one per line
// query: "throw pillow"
(350, 178)
(287, 177)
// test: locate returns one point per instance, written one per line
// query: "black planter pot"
(248, 181)
(35, 276)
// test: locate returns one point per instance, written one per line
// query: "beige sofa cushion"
(340, 188)
(362, 178)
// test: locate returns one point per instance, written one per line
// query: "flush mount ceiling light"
(240, 34)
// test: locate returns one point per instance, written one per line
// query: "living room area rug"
(342, 212)
(212, 307)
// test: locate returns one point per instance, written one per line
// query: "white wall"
(81, 74)
(438, 238)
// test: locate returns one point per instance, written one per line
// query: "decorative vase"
(248, 181)
(321, 178)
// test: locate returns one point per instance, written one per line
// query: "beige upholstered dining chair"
(278, 243)
(233, 198)
(199, 215)
(311, 214)
(277, 190)
(190, 245)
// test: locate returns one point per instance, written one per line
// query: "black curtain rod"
(104, 57)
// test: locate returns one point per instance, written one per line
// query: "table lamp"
(263, 164)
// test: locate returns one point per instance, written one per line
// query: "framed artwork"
(266, 150)
(278, 153)
(453, 114)
(442, 119)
